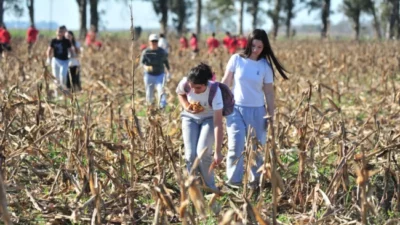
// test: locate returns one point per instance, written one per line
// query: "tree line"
(16, 7)
(385, 13)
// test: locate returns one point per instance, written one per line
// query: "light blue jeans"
(60, 70)
(238, 124)
(197, 135)
(151, 82)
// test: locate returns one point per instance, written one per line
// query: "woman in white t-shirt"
(74, 65)
(251, 76)
(201, 127)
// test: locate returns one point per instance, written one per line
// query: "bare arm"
(228, 78)
(49, 52)
(166, 63)
(270, 98)
(218, 132)
(71, 51)
(184, 101)
(77, 50)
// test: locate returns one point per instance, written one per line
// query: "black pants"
(74, 73)
(5, 47)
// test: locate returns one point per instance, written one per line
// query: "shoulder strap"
(213, 91)
(186, 87)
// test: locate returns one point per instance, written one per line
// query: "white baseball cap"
(153, 37)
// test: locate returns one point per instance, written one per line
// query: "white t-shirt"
(73, 61)
(162, 43)
(217, 102)
(249, 76)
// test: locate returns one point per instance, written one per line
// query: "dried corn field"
(101, 157)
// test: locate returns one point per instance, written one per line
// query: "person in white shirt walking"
(163, 43)
(252, 76)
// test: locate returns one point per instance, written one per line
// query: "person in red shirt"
(227, 40)
(31, 37)
(194, 45)
(242, 42)
(90, 39)
(212, 44)
(143, 47)
(233, 45)
(5, 39)
(90, 36)
(184, 44)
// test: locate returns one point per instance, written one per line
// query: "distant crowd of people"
(230, 43)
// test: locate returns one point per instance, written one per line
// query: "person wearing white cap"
(153, 60)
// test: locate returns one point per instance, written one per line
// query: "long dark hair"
(73, 38)
(267, 53)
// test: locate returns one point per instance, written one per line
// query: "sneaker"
(235, 186)
(163, 101)
(254, 189)
(254, 185)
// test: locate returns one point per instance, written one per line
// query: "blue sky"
(117, 15)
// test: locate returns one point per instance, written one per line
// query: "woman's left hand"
(218, 157)
(268, 120)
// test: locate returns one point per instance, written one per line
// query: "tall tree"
(324, 6)
(352, 9)
(253, 9)
(371, 8)
(325, 12)
(386, 11)
(82, 5)
(12, 6)
(219, 13)
(31, 11)
(398, 19)
(180, 10)
(394, 18)
(198, 18)
(240, 18)
(1, 11)
(289, 8)
(161, 7)
(274, 15)
(94, 14)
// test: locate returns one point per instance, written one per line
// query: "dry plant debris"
(101, 157)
